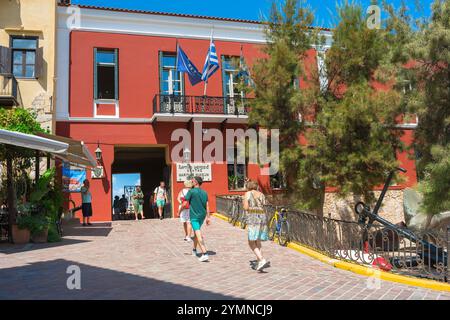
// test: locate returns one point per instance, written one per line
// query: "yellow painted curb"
(363, 270)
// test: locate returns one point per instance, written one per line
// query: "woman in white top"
(256, 220)
(184, 212)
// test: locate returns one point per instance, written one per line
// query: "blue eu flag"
(185, 65)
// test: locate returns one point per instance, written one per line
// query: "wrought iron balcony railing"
(8, 89)
(171, 104)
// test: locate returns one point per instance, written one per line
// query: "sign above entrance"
(184, 170)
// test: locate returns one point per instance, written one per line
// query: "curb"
(363, 270)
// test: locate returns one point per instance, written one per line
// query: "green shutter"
(116, 74)
(224, 85)
(95, 74)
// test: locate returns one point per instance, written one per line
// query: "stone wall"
(343, 209)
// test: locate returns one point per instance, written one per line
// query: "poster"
(72, 178)
(184, 170)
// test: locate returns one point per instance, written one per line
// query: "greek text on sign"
(184, 170)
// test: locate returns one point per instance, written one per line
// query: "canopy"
(67, 149)
(32, 142)
(77, 153)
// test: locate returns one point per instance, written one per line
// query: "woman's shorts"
(160, 203)
(184, 215)
(137, 206)
(86, 209)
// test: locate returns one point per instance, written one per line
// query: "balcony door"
(171, 85)
(232, 93)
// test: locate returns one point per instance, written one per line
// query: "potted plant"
(21, 230)
(39, 229)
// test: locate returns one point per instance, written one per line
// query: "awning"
(32, 142)
(77, 153)
(64, 148)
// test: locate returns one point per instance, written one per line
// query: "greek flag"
(185, 65)
(211, 62)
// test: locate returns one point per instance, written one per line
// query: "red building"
(118, 88)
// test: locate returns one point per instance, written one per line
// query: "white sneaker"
(188, 239)
(261, 264)
(203, 258)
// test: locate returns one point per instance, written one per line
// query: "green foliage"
(277, 95)
(21, 120)
(431, 49)
(53, 235)
(46, 198)
(435, 186)
(36, 223)
(347, 122)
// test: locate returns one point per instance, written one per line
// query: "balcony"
(200, 108)
(8, 90)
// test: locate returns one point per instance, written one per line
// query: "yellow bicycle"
(279, 227)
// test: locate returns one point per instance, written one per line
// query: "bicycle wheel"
(284, 237)
(272, 228)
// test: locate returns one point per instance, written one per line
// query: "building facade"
(119, 90)
(27, 57)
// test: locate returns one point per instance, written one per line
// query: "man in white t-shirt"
(184, 212)
(160, 198)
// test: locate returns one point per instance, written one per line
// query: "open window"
(106, 82)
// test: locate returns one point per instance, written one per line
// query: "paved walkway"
(149, 260)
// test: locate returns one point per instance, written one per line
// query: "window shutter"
(224, 85)
(160, 71)
(116, 74)
(39, 63)
(5, 60)
(95, 74)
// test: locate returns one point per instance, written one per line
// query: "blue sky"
(125, 179)
(242, 9)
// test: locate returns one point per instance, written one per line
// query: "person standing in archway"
(160, 198)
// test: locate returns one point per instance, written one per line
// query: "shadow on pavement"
(96, 230)
(48, 280)
(9, 248)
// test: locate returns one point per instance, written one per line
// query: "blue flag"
(185, 65)
(211, 62)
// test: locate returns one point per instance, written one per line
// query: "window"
(106, 74)
(171, 79)
(171, 84)
(230, 78)
(277, 181)
(233, 96)
(237, 172)
(24, 57)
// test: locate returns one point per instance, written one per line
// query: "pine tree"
(431, 101)
(276, 104)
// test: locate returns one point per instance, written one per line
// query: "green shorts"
(197, 223)
(160, 203)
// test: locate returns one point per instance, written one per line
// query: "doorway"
(150, 164)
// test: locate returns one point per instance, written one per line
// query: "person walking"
(138, 202)
(116, 207)
(197, 198)
(183, 213)
(86, 203)
(160, 198)
(256, 219)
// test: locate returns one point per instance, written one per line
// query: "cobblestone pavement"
(149, 260)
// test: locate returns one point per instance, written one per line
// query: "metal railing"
(8, 89)
(423, 255)
(165, 103)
